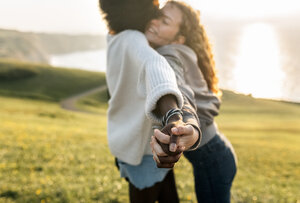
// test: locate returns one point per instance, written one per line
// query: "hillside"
(48, 154)
(36, 47)
(45, 82)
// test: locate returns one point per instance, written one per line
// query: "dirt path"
(70, 103)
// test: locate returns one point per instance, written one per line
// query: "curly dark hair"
(128, 14)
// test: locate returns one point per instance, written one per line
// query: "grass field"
(44, 82)
(48, 154)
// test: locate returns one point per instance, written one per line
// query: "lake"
(87, 60)
(260, 59)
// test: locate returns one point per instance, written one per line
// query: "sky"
(83, 16)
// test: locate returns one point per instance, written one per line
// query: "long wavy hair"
(196, 39)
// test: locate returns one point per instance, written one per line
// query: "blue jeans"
(214, 166)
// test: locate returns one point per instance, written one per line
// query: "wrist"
(174, 119)
(173, 115)
(197, 137)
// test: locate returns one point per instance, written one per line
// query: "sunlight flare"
(258, 69)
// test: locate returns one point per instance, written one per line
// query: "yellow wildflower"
(37, 192)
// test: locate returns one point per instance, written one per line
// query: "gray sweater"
(192, 84)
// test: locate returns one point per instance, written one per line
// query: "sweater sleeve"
(189, 108)
(160, 80)
(156, 77)
(205, 101)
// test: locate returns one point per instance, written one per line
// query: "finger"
(159, 165)
(183, 130)
(180, 148)
(173, 142)
(157, 148)
(151, 142)
(169, 159)
(155, 158)
(163, 138)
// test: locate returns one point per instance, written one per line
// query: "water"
(261, 59)
(258, 59)
(87, 60)
(258, 70)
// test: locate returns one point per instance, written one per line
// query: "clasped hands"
(171, 141)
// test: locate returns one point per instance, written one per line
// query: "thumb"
(182, 130)
(174, 139)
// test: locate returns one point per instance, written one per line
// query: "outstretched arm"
(189, 135)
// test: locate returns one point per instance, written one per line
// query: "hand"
(170, 141)
(188, 135)
(161, 158)
(182, 136)
(185, 136)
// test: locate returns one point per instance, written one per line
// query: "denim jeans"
(214, 166)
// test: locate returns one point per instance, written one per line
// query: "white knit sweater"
(137, 77)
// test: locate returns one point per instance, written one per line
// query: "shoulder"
(130, 35)
(176, 50)
(131, 41)
(179, 51)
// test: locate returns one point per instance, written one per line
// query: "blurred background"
(53, 100)
(255, 42)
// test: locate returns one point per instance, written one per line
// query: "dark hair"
(196, 38)
(128, 14)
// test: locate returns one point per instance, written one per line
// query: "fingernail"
(175, 130)
(172, 147)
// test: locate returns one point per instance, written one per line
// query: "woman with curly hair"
(181, 39)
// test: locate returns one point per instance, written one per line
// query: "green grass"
(52, 155)
(265, 135)
(94, 102)
(49, 154)
(48, 83)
